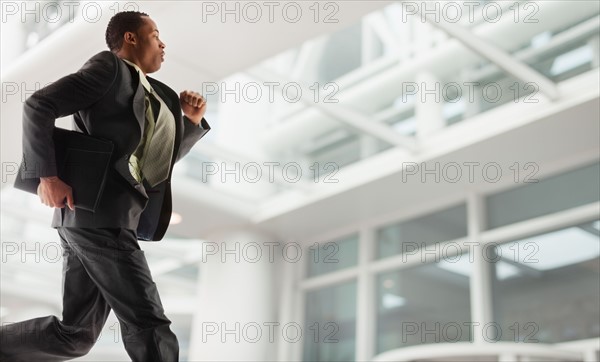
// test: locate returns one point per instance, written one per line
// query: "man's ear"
(129, 38)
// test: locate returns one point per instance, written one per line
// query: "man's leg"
(47, 339)
(118, 267)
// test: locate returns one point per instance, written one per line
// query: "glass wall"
(546, 287)
(424, 304)
(330, 323)
(444, 225)
(332, 256)
(561, 192)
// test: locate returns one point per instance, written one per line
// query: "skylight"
(571, 60)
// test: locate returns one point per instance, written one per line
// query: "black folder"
(82, 162)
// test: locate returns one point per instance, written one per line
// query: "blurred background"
(384, 180)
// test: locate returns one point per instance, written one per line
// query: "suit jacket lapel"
(139, 106)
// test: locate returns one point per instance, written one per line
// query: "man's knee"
(78, 341)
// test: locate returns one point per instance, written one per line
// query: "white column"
(369, 43)
(428, 104)
(481, 277)
(366, 307)
(594, 44)
(471, 107)
(289, 299)
(404, 39)
(368, 146)
(236, 299)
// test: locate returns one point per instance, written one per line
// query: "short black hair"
(121, 23)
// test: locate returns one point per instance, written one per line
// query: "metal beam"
(575, 33)
(353, 119)
(496, 55)
(309, 51)
(378, 22)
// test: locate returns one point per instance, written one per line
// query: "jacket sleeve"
(191, 134)
(64, 97)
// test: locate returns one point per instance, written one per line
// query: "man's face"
(149, 49)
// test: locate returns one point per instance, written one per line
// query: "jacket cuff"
(37, 169)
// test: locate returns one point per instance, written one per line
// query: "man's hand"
(193, 105)
(53, 191)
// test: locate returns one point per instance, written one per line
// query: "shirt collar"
(143, 78)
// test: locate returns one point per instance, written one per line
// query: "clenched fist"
(193, 105)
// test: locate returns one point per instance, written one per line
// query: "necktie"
(158, 150)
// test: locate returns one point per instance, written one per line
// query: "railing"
(500, 351)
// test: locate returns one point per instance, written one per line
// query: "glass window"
(425, 304)
(546, 287)
(554, 194)
(448, 224)
(330, 329)
(331, 256)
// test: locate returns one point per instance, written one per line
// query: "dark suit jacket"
(106, 99)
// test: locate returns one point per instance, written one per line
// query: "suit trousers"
(103, 269)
